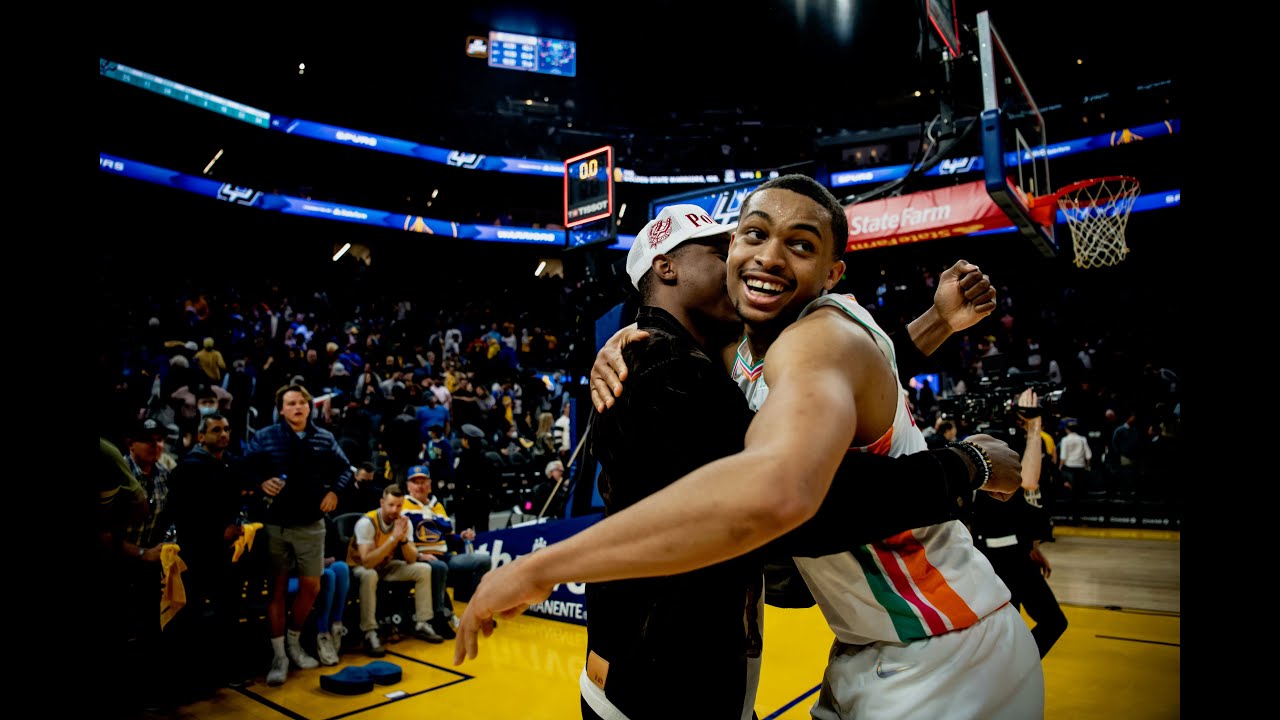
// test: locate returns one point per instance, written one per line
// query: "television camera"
(992, 403)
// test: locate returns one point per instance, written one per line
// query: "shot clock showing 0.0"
(588, 186)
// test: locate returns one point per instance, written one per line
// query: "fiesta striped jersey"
(917, 584)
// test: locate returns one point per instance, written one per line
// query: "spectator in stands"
(544, 441)
(211, 362)
(315, 374)
(452, 378)
(185, 398)
(142, 538)
(437, 543)
(1074, 458)
(113, 500)
(207, 493)
(350, 356)
(391, 366)
(554, 473)
(330, 355)
(429, 413)
(514, 447)
(341, 383)
(561, 431)
(489, 409)
(356, 429)
(466, 408)
(946, 433)
(440, 452)
(145, 442)
(302, 469)
(393, 379)
(1127, 441)
(368, 383)
(443, 396)
(400, 435)
(300, 329)
(242, 384)
(178, 375)
(381, 547)
(365, 491)
(475, 478)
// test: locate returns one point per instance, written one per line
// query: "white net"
(1097, 212)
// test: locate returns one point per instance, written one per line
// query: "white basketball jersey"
(916, 584)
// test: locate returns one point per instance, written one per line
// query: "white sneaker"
(279, 671)
(455, 622)
(294, 650)
(324, 648)
(373, 644)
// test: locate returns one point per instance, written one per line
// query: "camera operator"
(1009, 533)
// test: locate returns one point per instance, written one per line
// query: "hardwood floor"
(1098, 567)
(1119, 658)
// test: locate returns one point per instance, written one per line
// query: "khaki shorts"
(296, 547)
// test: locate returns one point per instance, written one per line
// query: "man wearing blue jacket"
(301, 470)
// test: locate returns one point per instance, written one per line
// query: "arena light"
(209, 167)
(341, 252)
(541, 266)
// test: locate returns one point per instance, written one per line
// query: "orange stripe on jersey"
(930, 581)
(881, 446)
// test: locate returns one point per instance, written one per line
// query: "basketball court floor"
(1120, 656)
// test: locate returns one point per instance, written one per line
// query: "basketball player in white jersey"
(919, 615)
(922, 623)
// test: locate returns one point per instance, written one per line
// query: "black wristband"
(909, 358)
(956, 472)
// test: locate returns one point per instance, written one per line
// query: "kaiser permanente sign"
(930, 215)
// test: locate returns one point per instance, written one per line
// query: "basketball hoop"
(1097, 212)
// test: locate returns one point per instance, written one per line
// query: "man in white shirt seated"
(380, 548)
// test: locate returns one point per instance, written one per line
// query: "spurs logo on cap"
(660, 231)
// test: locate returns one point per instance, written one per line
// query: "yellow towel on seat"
(245, 541)
(174, 596)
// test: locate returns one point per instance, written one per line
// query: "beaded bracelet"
(979, 457)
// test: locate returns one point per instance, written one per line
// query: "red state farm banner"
(929, 215)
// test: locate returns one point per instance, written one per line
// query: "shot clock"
(588, 187)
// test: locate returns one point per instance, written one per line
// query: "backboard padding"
(1014, 141)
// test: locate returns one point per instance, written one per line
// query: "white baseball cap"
(673, 226)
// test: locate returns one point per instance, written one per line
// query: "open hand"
(329, 502)
(609, 371)
(505, 591)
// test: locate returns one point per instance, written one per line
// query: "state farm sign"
(946, 212)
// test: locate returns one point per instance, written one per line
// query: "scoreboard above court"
(588, 187)
(530, 53)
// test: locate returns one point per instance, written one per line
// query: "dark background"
(675, 87)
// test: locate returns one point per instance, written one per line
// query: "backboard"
(942, 16)
(1014, 143)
